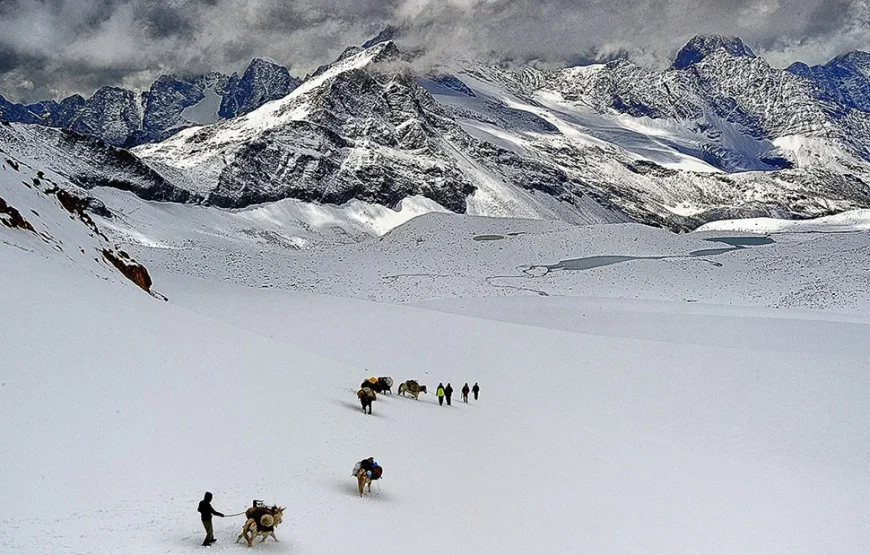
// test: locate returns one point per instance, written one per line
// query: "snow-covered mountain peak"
(291, 107)
(262, 62)
(348, 61)
(845, 80)
(701, 46)
(388, 33)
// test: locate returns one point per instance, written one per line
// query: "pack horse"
(412, 388)
(366, 397)
(262, 521)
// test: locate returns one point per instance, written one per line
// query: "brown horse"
(262, 521)
(363, 479)
(366, 396)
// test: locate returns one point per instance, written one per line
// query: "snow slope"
(446, 255)
(651, 405)
(623, 444)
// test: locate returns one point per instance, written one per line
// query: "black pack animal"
(384, 384)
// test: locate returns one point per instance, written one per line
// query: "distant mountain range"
(719, 134)
(121, 117)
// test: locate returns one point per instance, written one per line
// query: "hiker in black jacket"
(206, 511)
(448, 393)
(475, 390)
(465, 392)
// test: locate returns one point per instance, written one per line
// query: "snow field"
(592, 441)
(615, 416)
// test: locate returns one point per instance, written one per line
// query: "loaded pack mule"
(412, 388)
(365, 477)
(366, 397)
(384, 384)
(262, 521)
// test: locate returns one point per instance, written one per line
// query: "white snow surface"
(683, 404)
(852, 220)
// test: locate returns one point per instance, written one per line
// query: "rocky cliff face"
(845, 80)
(262, 82)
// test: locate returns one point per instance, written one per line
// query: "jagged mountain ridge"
(121, 117)
(364, 129)
(720, 134)
(719, 87)
(845, 79)
(724, 135)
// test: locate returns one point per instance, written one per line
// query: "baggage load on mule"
(261, 521)
(376, 472)
(262, 515)
(371, 468)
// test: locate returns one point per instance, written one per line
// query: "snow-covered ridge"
(294, 106)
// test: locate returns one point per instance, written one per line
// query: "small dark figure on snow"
(475, 390)
(206, 511)
(448, 393)
(440, 393)
(465, 392)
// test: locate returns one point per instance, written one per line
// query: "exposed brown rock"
(76, 206)
(10, 217)
(131, 269)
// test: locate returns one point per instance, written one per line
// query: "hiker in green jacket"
(440, 393)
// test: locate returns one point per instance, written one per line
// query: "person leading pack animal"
(465, 392)
(448, 393)
(475, 390)
(206, 511)
(440, 394)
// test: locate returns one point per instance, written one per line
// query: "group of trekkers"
(366, 470)
(446, 393)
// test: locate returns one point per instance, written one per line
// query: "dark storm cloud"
(163, 21)
(56, 47)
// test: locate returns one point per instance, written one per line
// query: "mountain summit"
(702, 46)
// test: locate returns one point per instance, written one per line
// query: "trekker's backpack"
(377, 472)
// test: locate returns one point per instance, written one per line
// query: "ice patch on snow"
(204, 112)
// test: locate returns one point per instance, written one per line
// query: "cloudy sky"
(51, 48)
